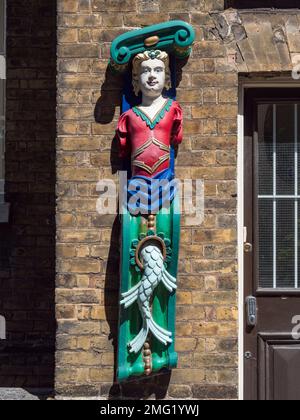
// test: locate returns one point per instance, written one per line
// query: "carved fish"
(154, 273)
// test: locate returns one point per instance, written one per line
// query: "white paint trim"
(243, 84)
(296, 194)
(241, 236)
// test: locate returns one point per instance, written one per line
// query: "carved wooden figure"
(148, 134)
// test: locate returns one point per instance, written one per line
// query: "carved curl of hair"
(147, 55)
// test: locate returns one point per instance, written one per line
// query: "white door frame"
(260, 82)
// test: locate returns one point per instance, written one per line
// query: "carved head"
(151, 73)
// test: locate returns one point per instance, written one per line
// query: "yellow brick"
(107, 359)
(102, 375)
(85, 35)
(66, 374)
(98, 313)
(210, 127)
(228, 329)
(82, 375)
(67, 35)
(83, 251)
(65, 251)
(210, 345)
(186, 344)
(214, 111)
(81, 266)
(69, 6)
(184, 298)
(82, 281)
(83, 358)
(227, 314)
(185, 360)
(65, 312)
(65, 220)
(227, 127)
(193, 376)
(188, 313)
(189, 96)
(223, 173)
(183, 329)
(83, 312)
(193, 127)
(210, 283)
(228, 95)
(214, 298)
(206, 329)
(215, 236)
(66, 96)
(83, 343)
(78, 236)
(81, 143)
(78, 174)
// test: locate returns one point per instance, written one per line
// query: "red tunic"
(148, 141)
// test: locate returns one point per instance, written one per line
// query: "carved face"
(152, 77)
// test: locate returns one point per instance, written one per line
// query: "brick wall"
(27, 261)
(88, 244)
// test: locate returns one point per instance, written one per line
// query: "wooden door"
(271, 248)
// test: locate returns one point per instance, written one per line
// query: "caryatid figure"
(148, 135)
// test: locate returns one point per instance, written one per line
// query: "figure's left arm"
(177, 132)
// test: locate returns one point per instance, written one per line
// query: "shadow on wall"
(27, 243)
(157, 386)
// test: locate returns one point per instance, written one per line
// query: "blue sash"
(152, 195)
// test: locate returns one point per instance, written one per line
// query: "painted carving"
(174, 37)
(148, 135)
(154, 273)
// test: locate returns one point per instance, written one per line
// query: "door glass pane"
(2, 97)
(278, 213)
(265, 146)
(285, 149)
(285, 243)
(2, 29)
(265, 243)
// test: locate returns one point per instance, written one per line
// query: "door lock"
(251, 308)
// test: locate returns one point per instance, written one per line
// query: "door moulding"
(245, 83)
